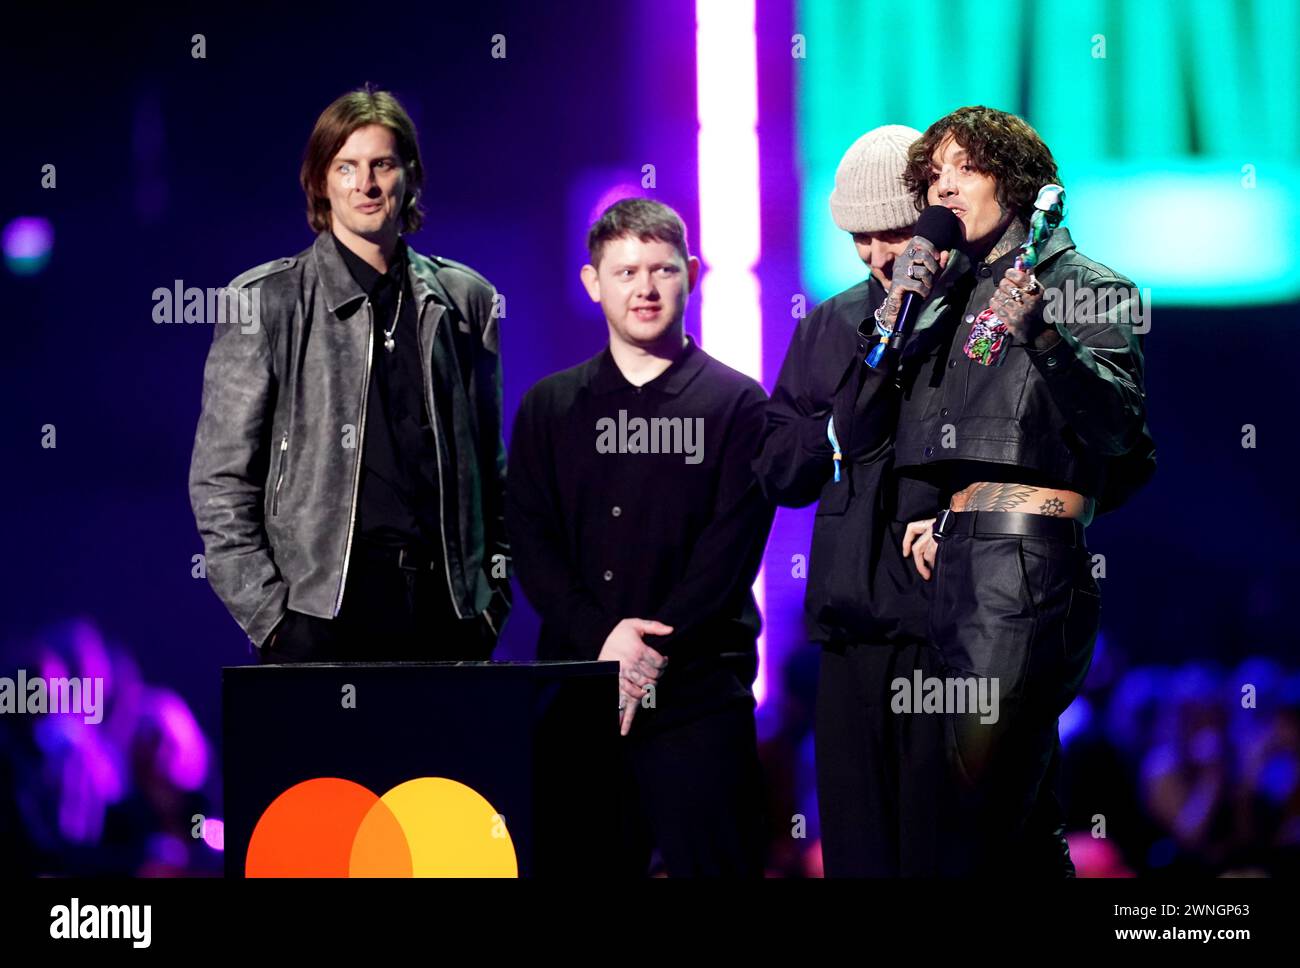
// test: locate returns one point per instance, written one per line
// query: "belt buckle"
(940, 522)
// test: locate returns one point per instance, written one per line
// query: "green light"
(1153, 139)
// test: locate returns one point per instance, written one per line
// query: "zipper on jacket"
(279, 476)
(356, 465)
(442, 494)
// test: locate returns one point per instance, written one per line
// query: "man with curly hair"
(1025, 449)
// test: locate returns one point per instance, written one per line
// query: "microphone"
(942, 229)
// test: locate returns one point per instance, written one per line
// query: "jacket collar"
(604, 376)
(959, 265)
(341, 289)
(423, 274)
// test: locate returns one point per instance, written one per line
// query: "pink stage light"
(731, 321)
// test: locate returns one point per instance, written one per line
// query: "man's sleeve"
(537, 535)
(1095, 372)
(794, 460)
(228, 471)
(492, 467)
(727, 555)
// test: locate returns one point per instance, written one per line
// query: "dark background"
(172, 168)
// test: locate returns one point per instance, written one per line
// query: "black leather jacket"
(277, 455)
(1073, 416)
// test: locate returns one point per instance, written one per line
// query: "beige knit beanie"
(869, 195)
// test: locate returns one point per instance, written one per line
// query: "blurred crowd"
(133, 794)
(1182, 771)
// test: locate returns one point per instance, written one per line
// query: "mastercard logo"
(427, 827)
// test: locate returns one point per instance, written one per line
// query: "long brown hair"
(354, 110)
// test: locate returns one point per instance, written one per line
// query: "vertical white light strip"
(731, 322)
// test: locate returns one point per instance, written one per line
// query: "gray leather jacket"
(277, 455)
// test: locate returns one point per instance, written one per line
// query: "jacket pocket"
(279, 474)
(845, 538)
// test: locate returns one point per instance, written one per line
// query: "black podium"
(421, 769)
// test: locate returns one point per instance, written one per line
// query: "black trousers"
(880, 774)
(892, 802)
(389, 614)
(1024, 612)
(694, 792)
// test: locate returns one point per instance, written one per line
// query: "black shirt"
(605, 528)
(397, 504)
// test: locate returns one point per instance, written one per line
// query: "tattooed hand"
(914, 271)
(1018, 301)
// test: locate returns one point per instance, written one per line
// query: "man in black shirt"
(348, 468)
(638, 528)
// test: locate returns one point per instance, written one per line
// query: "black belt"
(410, 558)
(1011, 523)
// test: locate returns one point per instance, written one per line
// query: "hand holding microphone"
(914, 272)
(937, 231)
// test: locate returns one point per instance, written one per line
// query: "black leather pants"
(1019, 613)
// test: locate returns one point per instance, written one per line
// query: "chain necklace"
(389, 342)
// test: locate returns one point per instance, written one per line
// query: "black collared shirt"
(397, 504)
(640, 502)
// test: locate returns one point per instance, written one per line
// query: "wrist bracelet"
(881, 328)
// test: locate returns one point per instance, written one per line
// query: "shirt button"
(1050, 361)
(609, 576)
(943, 411)
(616, 510)
(951, 364)
(985, 272)
(929, 452)
(970, 317)
(636, 389)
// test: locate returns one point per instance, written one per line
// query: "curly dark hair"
(997, 144)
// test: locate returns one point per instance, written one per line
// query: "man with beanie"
(829, 438)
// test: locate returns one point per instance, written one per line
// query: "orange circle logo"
(427, 827)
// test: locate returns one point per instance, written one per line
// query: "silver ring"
(1033, 286)
(909, 271)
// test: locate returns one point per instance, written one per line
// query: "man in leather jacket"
(348, 467)
(1024, 448)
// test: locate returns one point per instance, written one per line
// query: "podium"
(421, 769)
